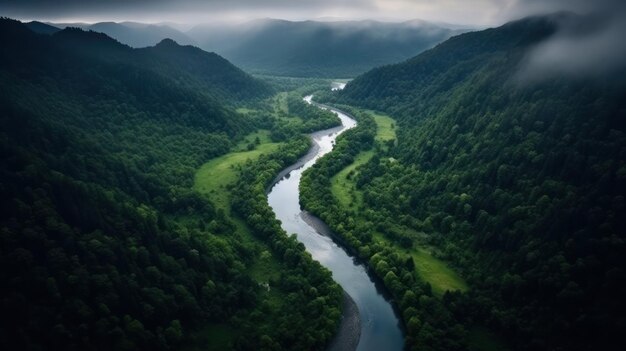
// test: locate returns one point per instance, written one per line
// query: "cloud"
(591, 45)
(475, 12)
(184, 10)
(466, 12)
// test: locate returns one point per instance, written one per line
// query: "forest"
(486, 206)
(105, 243)
(519, 185)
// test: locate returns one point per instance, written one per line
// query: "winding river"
(369, 321)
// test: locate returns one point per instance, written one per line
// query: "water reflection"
(380, 328)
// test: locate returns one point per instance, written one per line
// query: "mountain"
(205, 67)
(318, 49)
(42, 28)
(519, 184)
(104, 243)
(137, 35)
(204, 72)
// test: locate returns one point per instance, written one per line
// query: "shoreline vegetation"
(397, 268)
(257, 161)
(483, 201)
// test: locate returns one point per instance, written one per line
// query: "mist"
(478, 13)
(584, 46)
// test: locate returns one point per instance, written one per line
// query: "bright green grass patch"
(244, 110)
(436, 272)
(482, 339)
(214, 177)
(429, 268)
(344, 189)
(386, 127)
(281, 103)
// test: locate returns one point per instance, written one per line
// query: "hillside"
(520, 185)
(202, 72)
(105, 244)
(42, 28)
(318, 49)
(137, 35)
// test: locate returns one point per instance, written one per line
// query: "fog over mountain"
(133, 33)
(315, 34)
(323, 49)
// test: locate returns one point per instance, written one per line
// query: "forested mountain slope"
(189, 67)
(42, 28)
(104, 243)
(318, 49)
(137, 35)
(519, 183)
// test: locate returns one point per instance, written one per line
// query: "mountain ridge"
(519, 186)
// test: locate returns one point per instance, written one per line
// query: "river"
(373, 324)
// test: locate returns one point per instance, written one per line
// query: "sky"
(479, 13)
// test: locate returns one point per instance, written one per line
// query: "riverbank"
(373, 325)
(349, 332)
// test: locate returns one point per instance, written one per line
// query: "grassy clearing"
(386, 126)
(244, 110)
(281, 103)
(343, 188)
(429, 268)
(433, 270)
(436, 272)
(214, 177)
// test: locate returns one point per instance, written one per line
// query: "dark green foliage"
(429, 324)
(319, 318)
(521, 186)
(104, 244)
(313, 118)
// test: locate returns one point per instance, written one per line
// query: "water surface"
(380, 327)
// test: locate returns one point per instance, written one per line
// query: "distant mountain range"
(319, 49)
(277, 47)
(134, 34)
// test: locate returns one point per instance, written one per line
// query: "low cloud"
(584, 46)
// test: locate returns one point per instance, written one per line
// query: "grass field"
(344, 188)
(386, 126)
(214, 177)
(436, 272)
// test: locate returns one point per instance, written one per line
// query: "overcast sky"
(466, 12)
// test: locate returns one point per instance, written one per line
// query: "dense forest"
(520, 185)
(104, 242)
(116, 233)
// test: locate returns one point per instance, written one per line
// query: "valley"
(316, 184)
